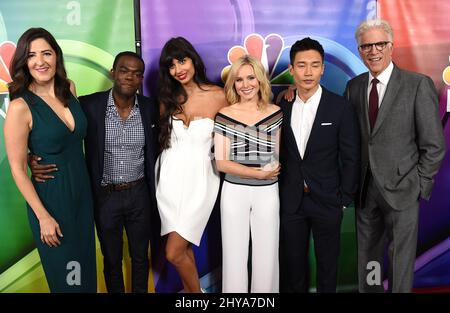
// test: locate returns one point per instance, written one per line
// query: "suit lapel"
(321, 109)
(388, 99)
(363, 99)
(289, 132)
(145, 118)
(101, 129)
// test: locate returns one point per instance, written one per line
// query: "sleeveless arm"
(17, 128)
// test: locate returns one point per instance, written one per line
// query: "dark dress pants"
(325, 224)
(129, 209)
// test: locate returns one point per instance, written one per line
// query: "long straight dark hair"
(171, 94)
(20, 74)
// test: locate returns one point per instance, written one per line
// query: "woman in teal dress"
(45, 118)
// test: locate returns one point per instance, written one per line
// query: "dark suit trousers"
(377, 222)
(129, 209)
(325, 224)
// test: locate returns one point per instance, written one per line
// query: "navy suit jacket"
(94, 107)
(331, 163)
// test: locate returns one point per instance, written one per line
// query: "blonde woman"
(247, 136)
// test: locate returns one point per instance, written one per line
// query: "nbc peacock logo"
(446, 79)
(446, 74)
(7, 49)
(272, 53)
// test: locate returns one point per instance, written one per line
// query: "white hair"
(371, 24)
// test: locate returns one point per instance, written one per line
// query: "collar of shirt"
(111, 102)
(383, 78)
(302, 118)
(384, 75)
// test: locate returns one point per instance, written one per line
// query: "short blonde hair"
(264, 85)
(371, 24)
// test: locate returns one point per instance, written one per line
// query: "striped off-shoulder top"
(251, 145)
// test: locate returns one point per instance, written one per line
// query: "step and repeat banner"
(91, 32)
(422, 44)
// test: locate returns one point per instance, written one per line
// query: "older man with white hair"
(402, 147)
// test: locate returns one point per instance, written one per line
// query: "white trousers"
(245, 211)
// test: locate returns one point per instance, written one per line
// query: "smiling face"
(127, 75)
(246, 83)
(307, 69)
(182, 70)
(376, 60)
(41, 61)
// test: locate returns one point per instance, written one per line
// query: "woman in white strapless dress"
(187, 182)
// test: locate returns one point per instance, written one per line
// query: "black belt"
(122, 186)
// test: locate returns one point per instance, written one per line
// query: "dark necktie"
(373, 103)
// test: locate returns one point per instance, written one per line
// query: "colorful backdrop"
(91, 32)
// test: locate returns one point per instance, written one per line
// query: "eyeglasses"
(378, 45)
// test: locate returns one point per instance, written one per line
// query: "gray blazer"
(407, 145)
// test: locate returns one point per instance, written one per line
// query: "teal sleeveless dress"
(71, 266)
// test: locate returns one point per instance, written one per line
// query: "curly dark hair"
(171, 94)
(20, 74)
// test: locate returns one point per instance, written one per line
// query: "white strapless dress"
(187, 181)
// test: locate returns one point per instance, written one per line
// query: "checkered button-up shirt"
(124, 145)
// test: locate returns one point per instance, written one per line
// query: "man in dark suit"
(320, 170)
(121, 147)
(402, 146)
